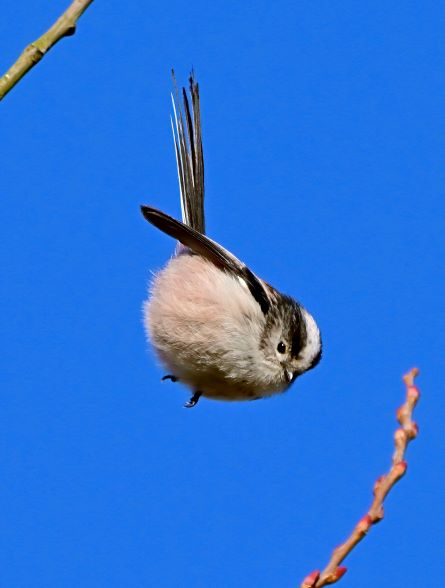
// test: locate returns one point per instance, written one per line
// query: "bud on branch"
(407, 431)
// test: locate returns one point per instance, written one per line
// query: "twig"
(404, 434)
(64, 26)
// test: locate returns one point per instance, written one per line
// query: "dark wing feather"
(208, 249)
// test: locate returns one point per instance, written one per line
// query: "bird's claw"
(193, 400)
(169, 377)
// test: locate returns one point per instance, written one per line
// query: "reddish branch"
(404, 434)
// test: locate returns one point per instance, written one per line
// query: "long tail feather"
(189, 154)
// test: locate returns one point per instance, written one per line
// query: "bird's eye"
(281, 347)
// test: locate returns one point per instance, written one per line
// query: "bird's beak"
(290, 376)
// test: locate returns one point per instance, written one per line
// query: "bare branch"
(63, 27)
(404, 434)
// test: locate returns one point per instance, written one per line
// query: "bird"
(216, 326)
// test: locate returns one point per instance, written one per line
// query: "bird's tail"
(189, 154)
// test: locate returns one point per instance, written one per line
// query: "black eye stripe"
(299, 338)
(296, 344)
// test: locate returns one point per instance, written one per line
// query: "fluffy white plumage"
(205, 327)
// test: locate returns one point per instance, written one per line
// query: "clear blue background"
(323, 130)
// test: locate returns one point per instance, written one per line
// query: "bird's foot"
(193, 400)
(169, 377)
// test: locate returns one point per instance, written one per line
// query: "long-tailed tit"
(216, 326)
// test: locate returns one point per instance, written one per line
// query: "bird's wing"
(210, 250)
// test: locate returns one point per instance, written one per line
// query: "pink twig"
(404, 434)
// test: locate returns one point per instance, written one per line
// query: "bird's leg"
(169, 377)
(193, 400)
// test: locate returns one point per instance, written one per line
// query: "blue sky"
(323, 136)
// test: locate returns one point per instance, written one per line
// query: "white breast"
(205, 327)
